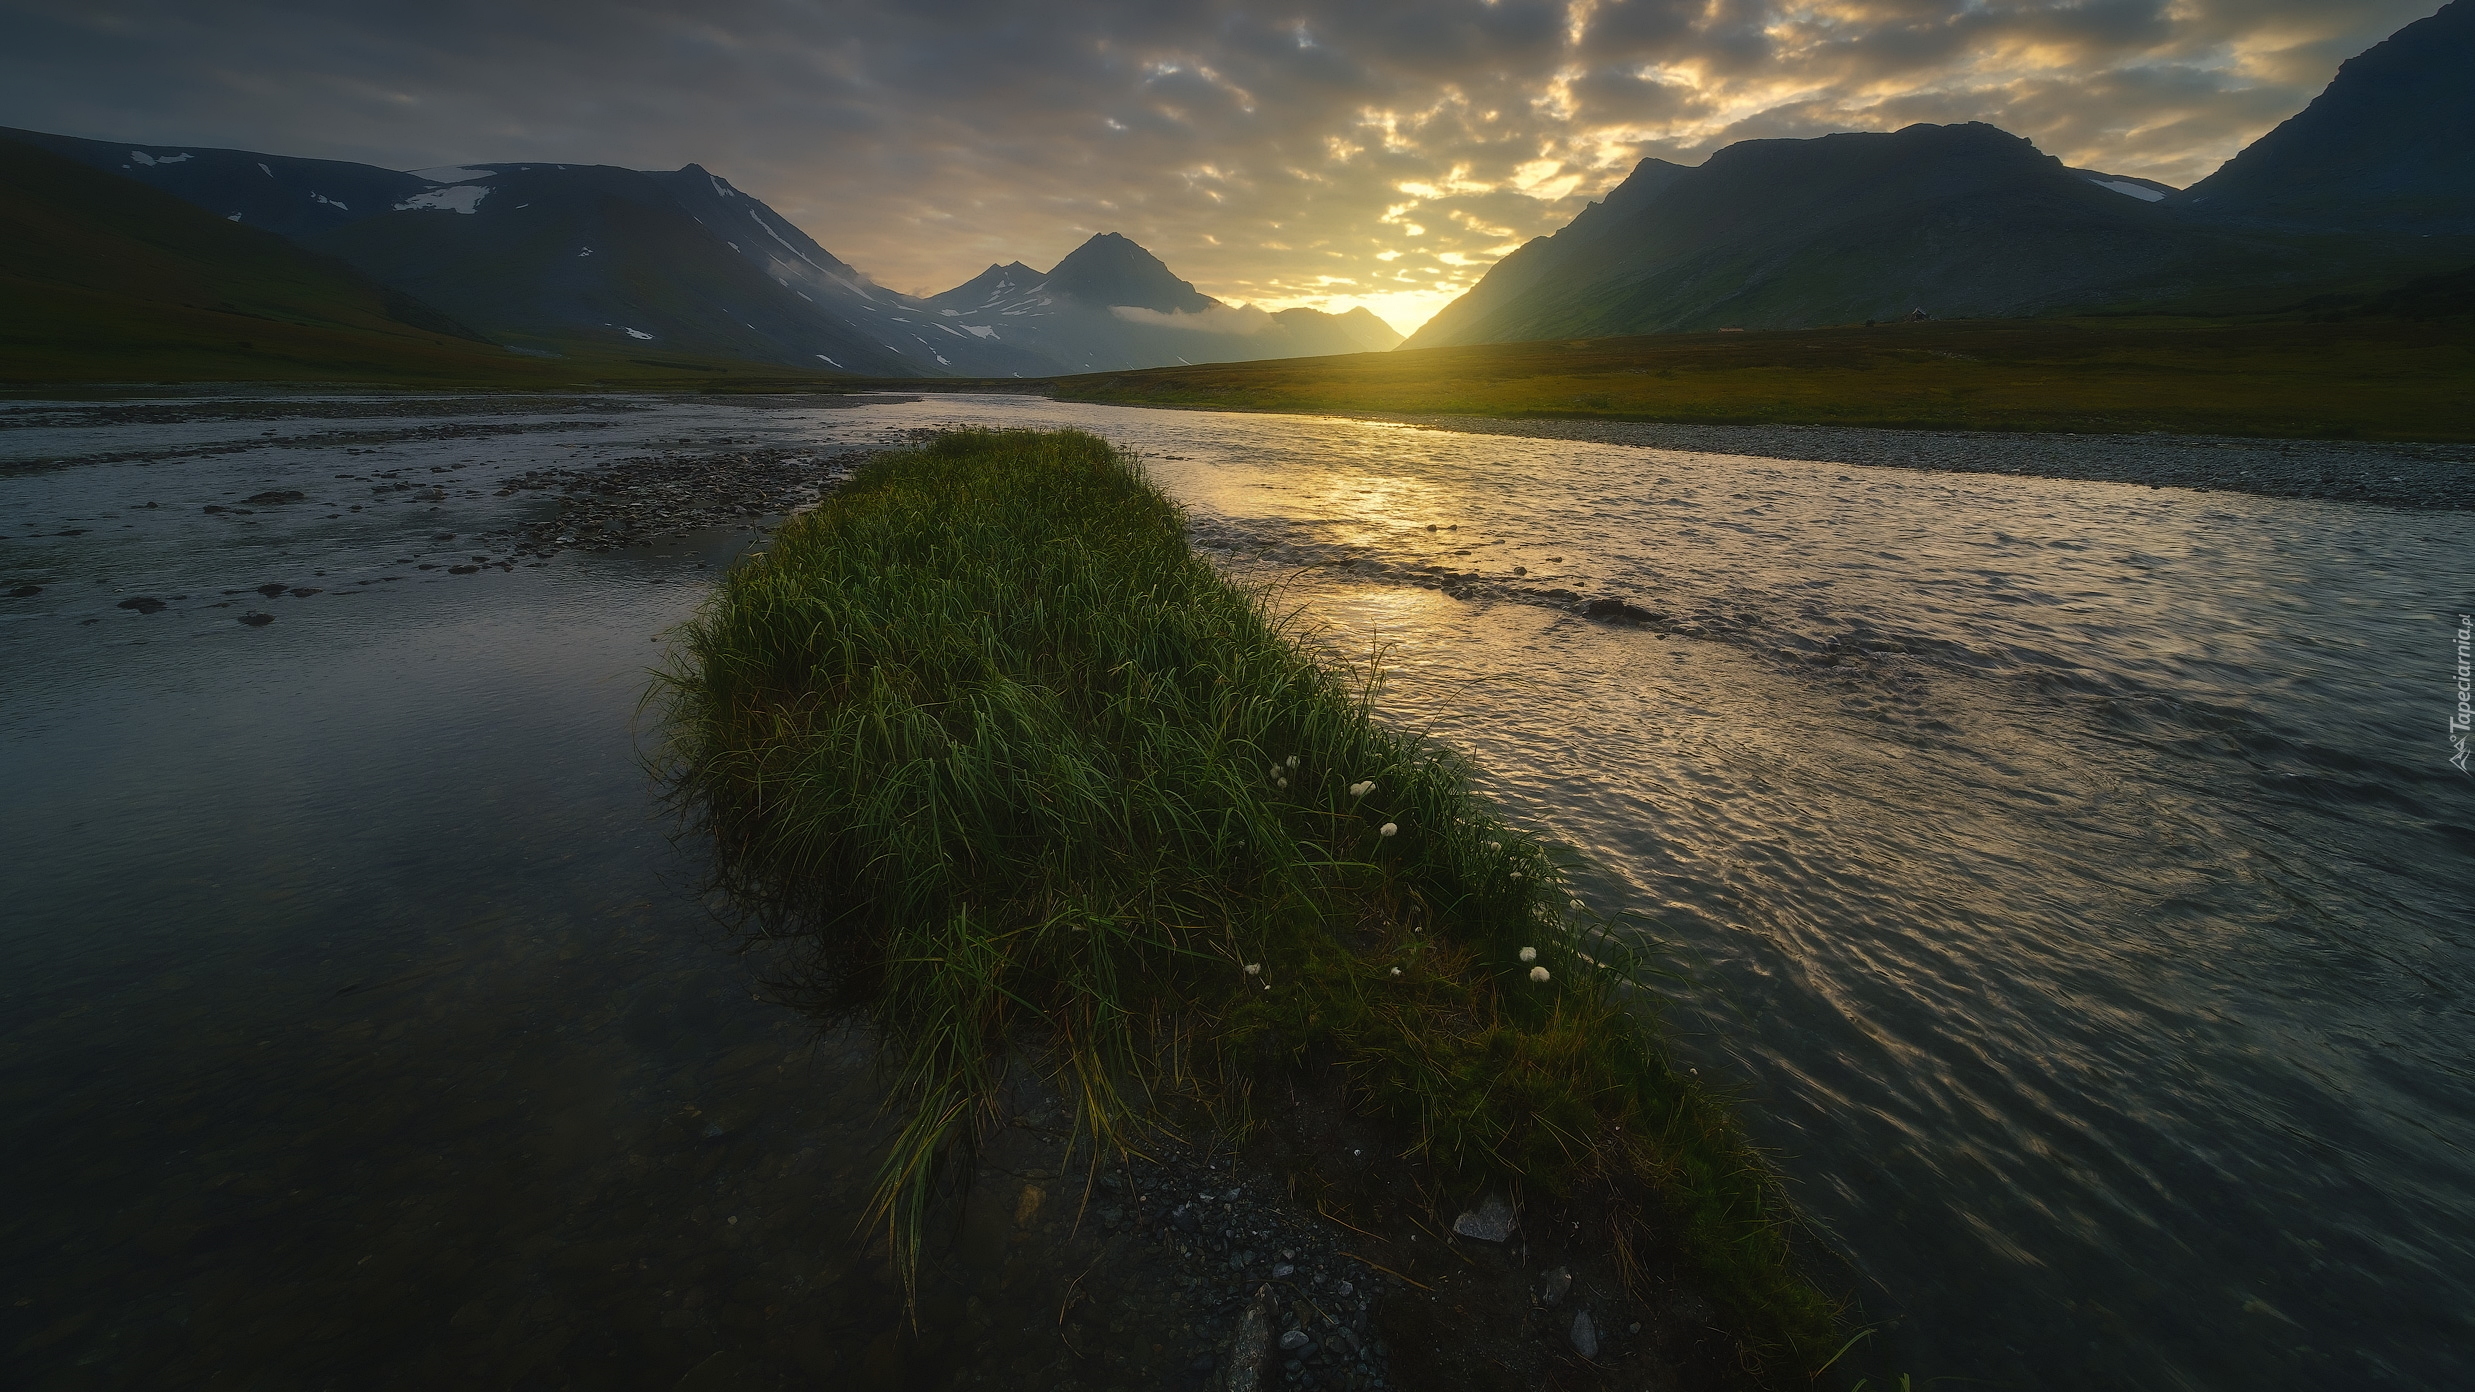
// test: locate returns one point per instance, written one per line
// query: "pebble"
(1585, 1336)
(1491, 1221)
(1556, 1283)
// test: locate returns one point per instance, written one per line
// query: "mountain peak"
(995, 284)
(1112, 270)
(2389, 143)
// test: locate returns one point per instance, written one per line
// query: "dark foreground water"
(2071, 875)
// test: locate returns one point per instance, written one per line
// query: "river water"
(2070, 877)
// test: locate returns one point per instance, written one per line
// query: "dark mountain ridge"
(2389, 144)
(2372, 185)
(1957, 220)
(107, 277)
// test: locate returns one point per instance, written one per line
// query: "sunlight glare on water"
(2068, 875)
(2071, 874)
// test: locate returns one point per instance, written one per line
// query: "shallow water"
(2070, 875)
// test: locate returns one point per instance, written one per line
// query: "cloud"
(1380, 152)
(1220, 319)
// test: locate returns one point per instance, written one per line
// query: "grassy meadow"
(1035, 781)
(2388, 378)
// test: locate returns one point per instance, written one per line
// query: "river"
(2069, 876)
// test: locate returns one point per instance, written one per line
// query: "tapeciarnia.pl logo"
(2463, 717)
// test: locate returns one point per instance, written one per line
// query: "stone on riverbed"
(1585, 1335)
(1491, 1221)
(1250, 1347)
(1552, 1288)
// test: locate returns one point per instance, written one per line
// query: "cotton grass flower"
(1538, 973)
(1529, 954)
(1359, 790)
(1254, 969)
(1389, 829)
(1293, 761)
(1396, 971)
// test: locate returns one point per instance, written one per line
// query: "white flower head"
(1529, 954)
(1254, 969)
(1538, 973)
(1293, 761)
(1389, 829)
(1359, 790)
(1280, 782)
(1396, 971)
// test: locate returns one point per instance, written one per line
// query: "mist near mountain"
(1110, 305)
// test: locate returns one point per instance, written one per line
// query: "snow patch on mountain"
(463, 198)
(759, 220)
(2140, 191)
(141, 157)
(634, 333)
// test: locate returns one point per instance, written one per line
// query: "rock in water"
(144, 604)
(1250, 1347)
(1491, 1221)
(275, 495)
(256, 620)
(1585, 1335)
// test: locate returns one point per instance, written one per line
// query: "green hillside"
(2377, 374)
(107, 280)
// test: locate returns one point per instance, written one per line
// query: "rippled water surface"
(2070, 875)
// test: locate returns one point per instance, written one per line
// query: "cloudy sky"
(1323, 152)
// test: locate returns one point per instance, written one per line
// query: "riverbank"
(1031, 775)
(2386, 473)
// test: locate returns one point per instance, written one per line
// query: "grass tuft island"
(1038, 782)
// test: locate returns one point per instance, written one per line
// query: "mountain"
(1110, 305)
(1963, 220)
(107, 278)
(2389, 144)
(2371, 185)
(554, 258)
(1111, 270)
(1358, 331)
